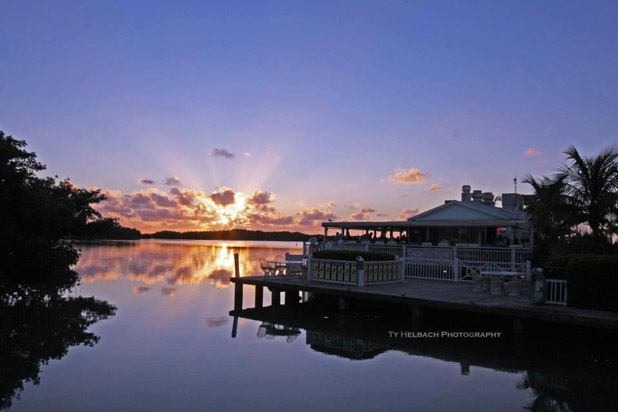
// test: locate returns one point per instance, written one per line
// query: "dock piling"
(259, 296)
(291, 297)
(275, 297)
(238, 296)
(236, 266)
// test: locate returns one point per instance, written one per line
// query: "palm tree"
(592, 189)
(548, 208)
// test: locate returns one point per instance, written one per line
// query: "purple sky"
(278, 115)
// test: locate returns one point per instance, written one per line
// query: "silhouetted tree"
(35, 214)
(583, 194)
(592, 188)
(549, 207)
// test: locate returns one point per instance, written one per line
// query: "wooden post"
(238, 296)
(291, 297)
(275, 297)
(259, 296)
(235, 326)
(236, 266)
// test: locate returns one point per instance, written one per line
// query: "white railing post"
(309, 269)
(401, 266)
(456, 274)
(528, 269)
(360, 271)
(513, 254)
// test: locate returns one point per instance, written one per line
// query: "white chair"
(267, 267)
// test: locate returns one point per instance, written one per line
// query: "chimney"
(465, 193)
(477, 195)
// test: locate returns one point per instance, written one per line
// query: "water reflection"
(170, 265)
(565, 371)
(33, 334)
(174, 351)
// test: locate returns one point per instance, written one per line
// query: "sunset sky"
(278, 115)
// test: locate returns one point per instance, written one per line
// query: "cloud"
(168, 291)
(262, 198)
(184, 197)
(217, 152)
(408, 176)
(140, 289)
(532, 152)
(215, 322)
(409, 212)
(309, 217)
(435, 187)
(270, 220)
(247, 154)
(363, 214)
(145, 181)
(223, 196)
(187, 209)
(172, 181)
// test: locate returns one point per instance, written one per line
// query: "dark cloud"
(184, 197)
(162, 200)
(262, 198)
(172, 181)
(214, 322)
(168, 291)
(223, 196)
(145, 181)
(259, 219)
(312, 216)
(217, 152)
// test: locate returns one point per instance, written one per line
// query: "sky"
(279, 115)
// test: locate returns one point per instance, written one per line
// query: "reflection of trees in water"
(173, 264)
(32, 334)
(570, 390)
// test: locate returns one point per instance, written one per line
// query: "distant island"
(234, 234)
(110, 229)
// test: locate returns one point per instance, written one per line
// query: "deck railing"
(556, 292)
(446, 262)
(357, 273)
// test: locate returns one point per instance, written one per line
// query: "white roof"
(455, 211)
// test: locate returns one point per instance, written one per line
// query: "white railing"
(334, 271)
(428, 269)
(446, 262)
(358, 273)
(556, 292)
(383, 272)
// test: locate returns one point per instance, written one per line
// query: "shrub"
(352, 254)
(592, 281)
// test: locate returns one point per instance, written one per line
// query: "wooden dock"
(421, 293)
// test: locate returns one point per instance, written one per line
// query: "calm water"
(169, 347)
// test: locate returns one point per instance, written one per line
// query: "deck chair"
(267, 267)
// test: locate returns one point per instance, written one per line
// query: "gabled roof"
(467, 211)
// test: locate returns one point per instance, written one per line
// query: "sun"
(233, 212)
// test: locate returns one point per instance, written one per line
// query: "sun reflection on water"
(173, 264)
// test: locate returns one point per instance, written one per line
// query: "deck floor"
(444, 295)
